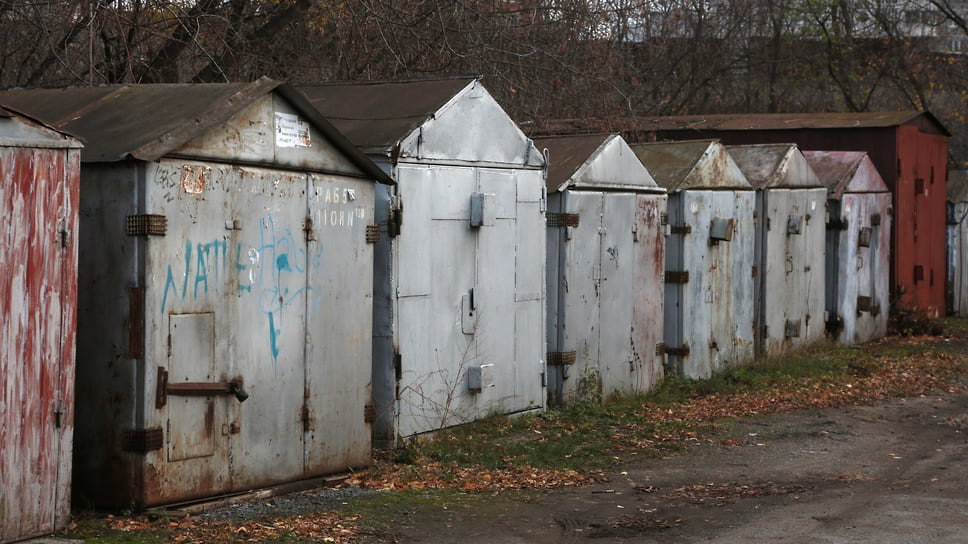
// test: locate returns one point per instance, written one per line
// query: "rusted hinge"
(308, 229)
(837, 223)
(562, 219)
(142, 440)
(875, 219)
(561, 358)
(395, 219)
(677, 276)
(864, 237)
(663, 219)
(660, 348)
(680, 229)
(369, 413)
(136, 322)
(865, 304)
(681, 352)
(146, 225)
(372, 234)
(65, 233)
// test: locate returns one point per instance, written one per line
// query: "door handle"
(196, 389)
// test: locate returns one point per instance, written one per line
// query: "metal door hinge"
(837, 223)
(561, 358)
(65, 232)
(136, 323)
(562, 219)
(681, 351)
(372, 234)
(308, 229)
(864, 237)
(142, 440)
(395, 219)
(681, 229)
(58, 413)
(146, 225)
(664, 219)
(369, 413)
(677, 276)
(660, 348)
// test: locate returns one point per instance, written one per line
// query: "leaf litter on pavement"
(502, 454)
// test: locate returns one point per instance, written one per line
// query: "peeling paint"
(39, 194)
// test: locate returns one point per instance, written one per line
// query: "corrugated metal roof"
(379, 114)
(791, 121)
(761, 164)
(691, 164)
(141, 121)
(838, 171)
(773, 166)
(148, 121)
(567, 154)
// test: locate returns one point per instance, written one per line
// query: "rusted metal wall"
(858, 245)
(258, 288)
(39, 195)
(606, 249)
(709, 297)
(909, 150)
(790, 230)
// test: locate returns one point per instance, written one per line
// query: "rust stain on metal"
(194, 178)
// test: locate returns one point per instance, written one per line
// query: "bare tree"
(543, 59)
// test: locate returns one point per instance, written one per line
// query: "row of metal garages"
(271, 279)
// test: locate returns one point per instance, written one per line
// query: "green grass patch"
(597, 435)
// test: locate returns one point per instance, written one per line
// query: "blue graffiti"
(276, 267)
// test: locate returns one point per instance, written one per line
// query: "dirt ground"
(894, 472)
(891, 473)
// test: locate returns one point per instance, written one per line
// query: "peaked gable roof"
(597, 161)
(148, 121)
(772, 166)
(19, 130)
(691, 164)
(443, 120)
(380, 114)
(845, 172)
